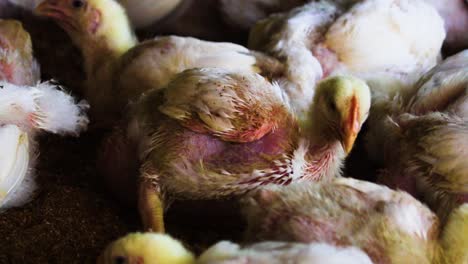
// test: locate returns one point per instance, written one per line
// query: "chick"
(27, 107)
(454, 239)
(390, 226)
(152, 248)
(372, 39)
(244, 15)
(119, 69)
(423, 150)
(26, 102)
(146, 248)
(213, 134)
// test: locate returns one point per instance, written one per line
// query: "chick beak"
(351, 126)
(57, 10)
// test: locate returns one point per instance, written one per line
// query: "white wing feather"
(14, 166)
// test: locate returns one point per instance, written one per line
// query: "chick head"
(341, 105)
(146, 248)
(94, 21)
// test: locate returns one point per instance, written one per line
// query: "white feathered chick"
(27, 107)
(385, 37)
(420, 136)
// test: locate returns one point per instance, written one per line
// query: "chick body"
(214, 134)
(425, 128)
(390, 226)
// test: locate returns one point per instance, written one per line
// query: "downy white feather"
(41, 107)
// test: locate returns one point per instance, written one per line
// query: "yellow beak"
(348, 142)
(351, 126)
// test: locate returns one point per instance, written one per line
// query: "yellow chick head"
(94, 21)
(341, 105)
(146, 248)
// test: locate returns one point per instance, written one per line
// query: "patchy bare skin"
(389, 226)
(216, 134)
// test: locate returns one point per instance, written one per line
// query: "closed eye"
(332, 106)
(78, 3)
(120, 260)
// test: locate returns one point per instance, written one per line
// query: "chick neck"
(325, 153)
(104, 53)
(113, 38)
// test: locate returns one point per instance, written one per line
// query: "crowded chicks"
(269, 125)
(214, 133)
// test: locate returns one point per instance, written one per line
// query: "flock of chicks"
(270, 125)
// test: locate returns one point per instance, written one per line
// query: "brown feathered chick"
(118, 68)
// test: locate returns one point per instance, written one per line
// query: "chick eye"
(120, 260)
(78, 3)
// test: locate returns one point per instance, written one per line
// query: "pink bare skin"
(254, 140)
(215, 153)
(327, 58)
(341, 215)
(118, 159)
